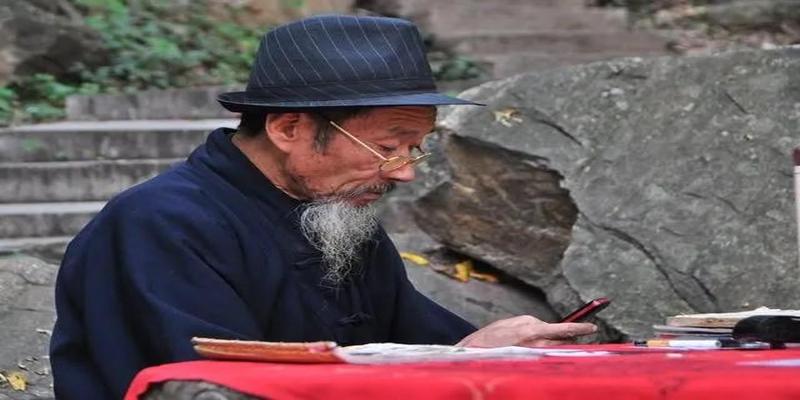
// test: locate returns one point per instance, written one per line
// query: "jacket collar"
(220, 155)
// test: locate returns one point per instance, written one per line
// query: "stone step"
(420, 10)
(24, 182)
(492, 18)
(70, 141)
(557, 42)
(194, 103)
(45, 219)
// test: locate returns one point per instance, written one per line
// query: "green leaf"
(293, 4)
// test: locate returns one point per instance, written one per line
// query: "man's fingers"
(527, 331)
(564, 331)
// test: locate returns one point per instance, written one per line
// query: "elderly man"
(267, 232)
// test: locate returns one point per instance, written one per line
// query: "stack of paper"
(711, 325)
(686, 332)
(372, 353)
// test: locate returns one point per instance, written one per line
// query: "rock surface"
(665, 184)
(27, 313)
(745, 15)
(179, 390)
(476, 301)
(36, 38)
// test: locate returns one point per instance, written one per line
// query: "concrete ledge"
(193, 103)
(74, 180)
(71, 141)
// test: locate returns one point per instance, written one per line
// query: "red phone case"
(587, 310)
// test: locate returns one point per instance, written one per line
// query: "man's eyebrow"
(402, 131)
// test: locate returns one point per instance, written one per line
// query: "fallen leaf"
(463, 270)
(507, 117)
(483, 276)
(17, 380)
(414, 258)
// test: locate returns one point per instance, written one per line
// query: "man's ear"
(286, 130)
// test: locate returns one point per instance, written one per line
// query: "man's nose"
(405, 173)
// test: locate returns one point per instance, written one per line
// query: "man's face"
(345, 168)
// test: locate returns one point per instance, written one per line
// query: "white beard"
(338, 230)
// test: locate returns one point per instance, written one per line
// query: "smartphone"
(587, 310)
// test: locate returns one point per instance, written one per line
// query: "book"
(710, 325)
(723, 320)
(244, 350)
(371, 353)
(680, 332)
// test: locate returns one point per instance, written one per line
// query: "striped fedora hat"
(339, 61)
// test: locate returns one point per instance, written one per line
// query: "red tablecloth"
(630, 373)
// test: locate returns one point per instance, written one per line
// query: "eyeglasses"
(387, 164)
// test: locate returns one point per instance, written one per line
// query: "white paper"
(388, 353)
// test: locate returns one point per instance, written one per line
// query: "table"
(626, 373)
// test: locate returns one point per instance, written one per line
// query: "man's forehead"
(404, 130)
(402, 120)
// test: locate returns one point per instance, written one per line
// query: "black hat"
(339, 61)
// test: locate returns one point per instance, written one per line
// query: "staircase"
(55, 177)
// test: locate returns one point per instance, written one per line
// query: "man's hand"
(527, 331)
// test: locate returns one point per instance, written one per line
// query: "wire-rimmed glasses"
(387, 163)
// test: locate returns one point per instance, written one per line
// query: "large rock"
(36, 38)
(665, 184)
(27, 313)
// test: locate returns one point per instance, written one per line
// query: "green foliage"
(294, 4)
(7, 101)
(158, 44)
(38, 98)
(455, 68)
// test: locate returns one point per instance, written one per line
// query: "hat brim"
(243, 101)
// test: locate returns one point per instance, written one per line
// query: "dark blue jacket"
(211, 248)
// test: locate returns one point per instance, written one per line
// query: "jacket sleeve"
(145, 277)
(418, 319)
